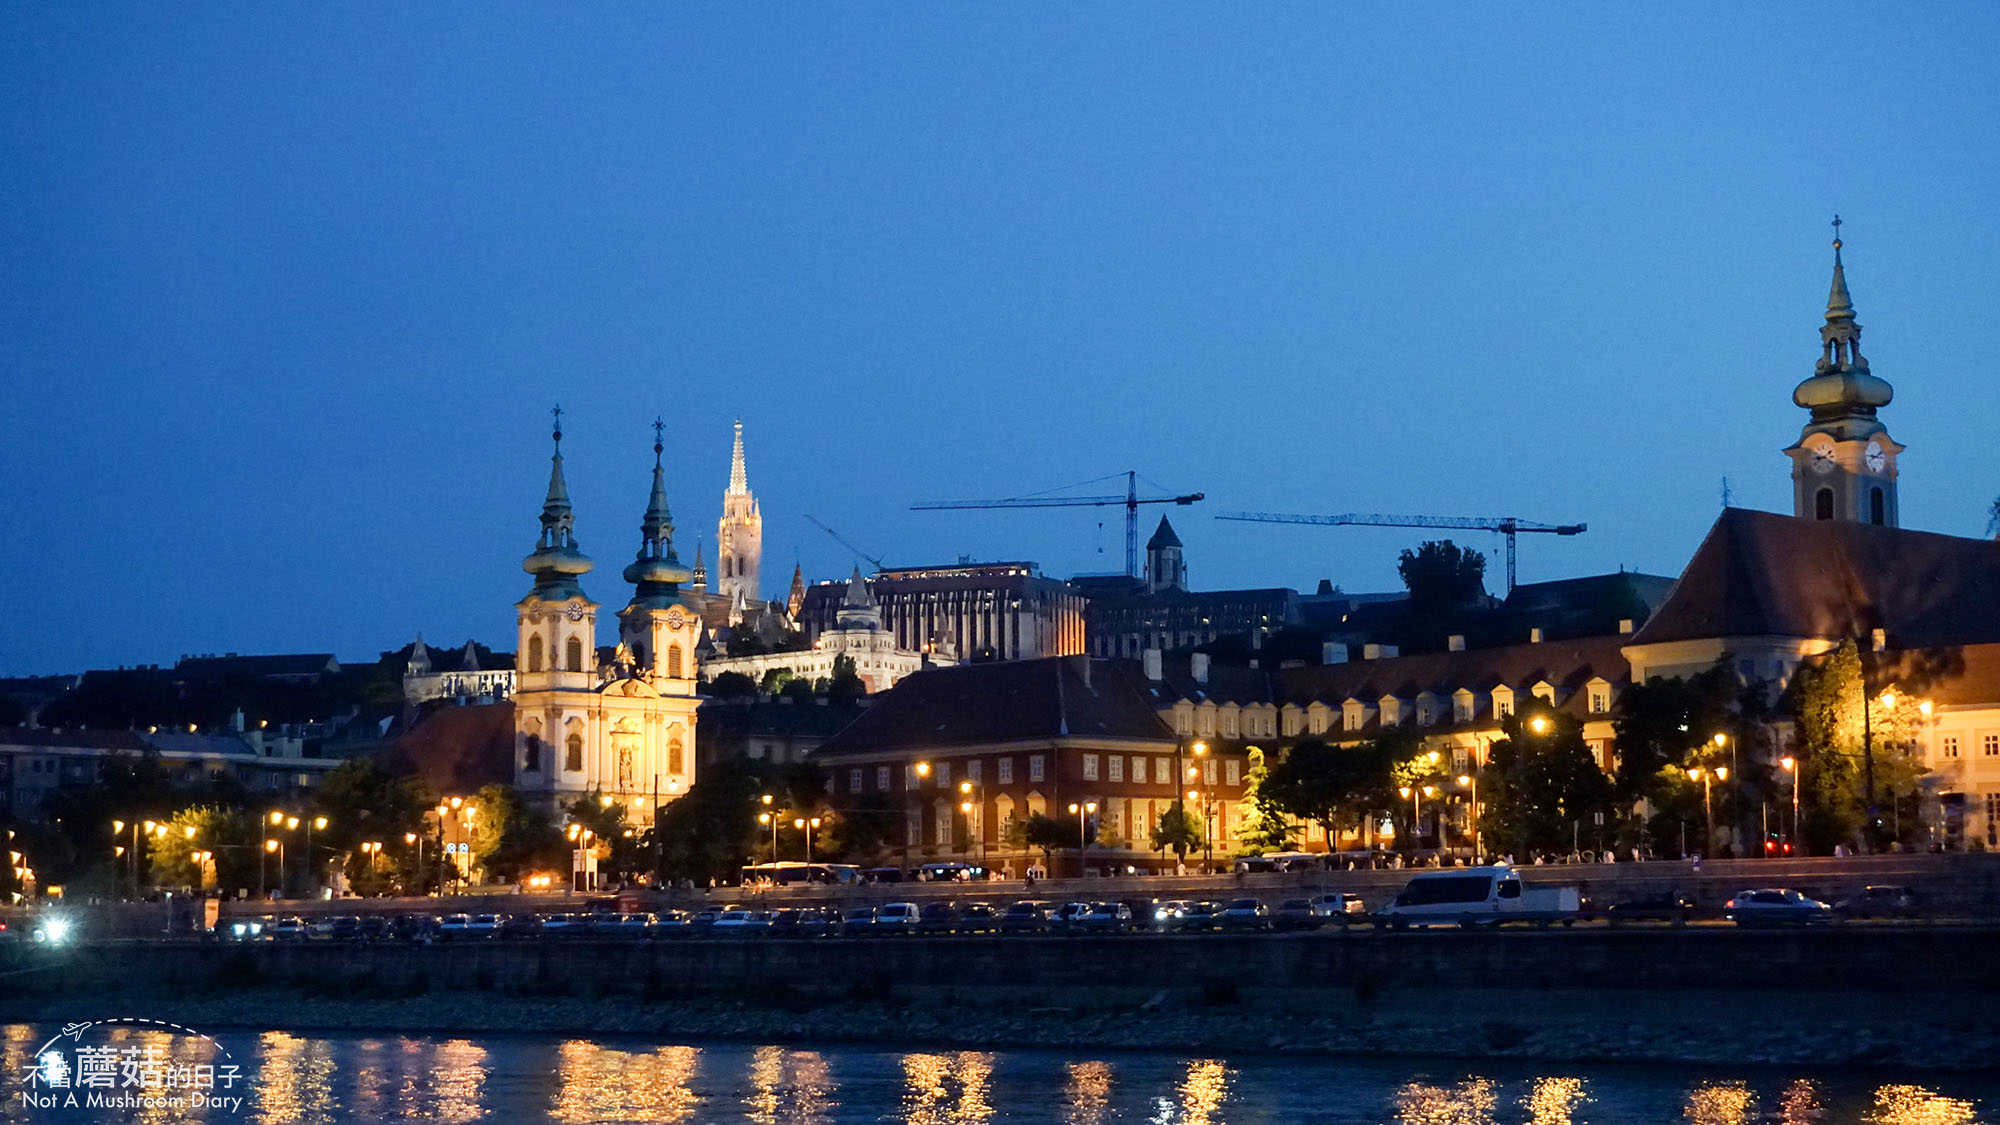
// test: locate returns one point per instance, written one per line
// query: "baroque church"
(586, 724)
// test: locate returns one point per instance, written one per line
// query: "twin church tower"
(621, 728)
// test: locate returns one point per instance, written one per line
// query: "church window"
(535, 654)
(674, 661)
(531, 758)
(1823, 504)
(1034, 767)
(1877, 507)
(1006, 771)
(573, 654)
(882, 778)
(573, 754)
(676, 763)
(854, 780)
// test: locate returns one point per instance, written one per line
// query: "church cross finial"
(557, 415)
(1836, 236)
(659, 442)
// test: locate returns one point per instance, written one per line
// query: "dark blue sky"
(286, 292)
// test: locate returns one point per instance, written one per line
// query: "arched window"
(1877, 506)
(534, 654)
(675, 764)
(531, 757)
(573, 755)
(674, 661)
(573, 654)
(1823, 504)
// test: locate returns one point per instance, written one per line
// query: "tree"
(1541, 783)
(845, 683)
(732, 685)
(1180, 830)
(1837, 745)
(1441, 575)
(511, 839)
(1334, 786)
(1266, 828)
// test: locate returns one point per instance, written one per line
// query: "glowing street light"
(1082, 813)
(808, 824)
(1471, 784)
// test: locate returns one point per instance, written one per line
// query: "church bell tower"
(1844, 463)
(739, 535)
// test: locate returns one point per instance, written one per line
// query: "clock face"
(575, 611)
(1822, 460)
(674, 618)
(1876, 458)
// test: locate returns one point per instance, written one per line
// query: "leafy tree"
(511, 839)
(1837, 745)
(712, 829)
(1266, 828)
(1334, 786)
(365, 803)
(228, 836)
(845, 682)
(1440, 575)
(1541, 782)
(1180, 830)
(865, 832)
(731, 685)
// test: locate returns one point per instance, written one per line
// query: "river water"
(287, 1077)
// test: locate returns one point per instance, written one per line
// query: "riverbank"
(1733, 1035)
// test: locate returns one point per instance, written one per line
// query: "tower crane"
(1508, 526)
(1131, 500)
(842, 540)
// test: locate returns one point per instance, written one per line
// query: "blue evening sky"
(286, 290)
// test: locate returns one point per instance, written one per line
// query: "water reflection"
(1088, 1094)
(1800, 1104)
(599, 1083)
(1471, 1102)
(294, 1079)
(1914, 1105)
(1553, 1101)
(929, 1081)
(1719, 1103)
(789, 1087)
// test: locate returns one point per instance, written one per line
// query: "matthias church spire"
(556, 562)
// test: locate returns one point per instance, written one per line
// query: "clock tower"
(1844, 463)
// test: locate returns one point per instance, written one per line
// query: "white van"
(1478, 896)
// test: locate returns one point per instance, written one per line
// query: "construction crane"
(1131, 500)
(842, 540)
(1502, 525)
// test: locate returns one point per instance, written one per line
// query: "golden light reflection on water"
(1914, 1105)
(929, 1081)
(1719, 1103)
(1469, 1103)
(456, 1079)
(1800, 1104)
(789, 1087)
(599, 1083)
(1088, 1094)
(1553, 1101)
(294, 1081)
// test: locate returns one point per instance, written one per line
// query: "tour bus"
(1277, 861)
(1478, 896)
(953, 873)
(792, 872)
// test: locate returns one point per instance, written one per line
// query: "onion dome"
(657, 572)
(1841, 389)
(556, 562)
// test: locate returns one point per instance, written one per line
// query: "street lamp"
(1207, 809)
(278, 846)
(975, 827)
(1539, 724)
(1791, 766)
(417, 839)
(369, 848)
(808, 824)
(772, 820)
(1704, 774)
(1081, 812)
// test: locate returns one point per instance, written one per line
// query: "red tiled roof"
(1006, 701)
(458, 749)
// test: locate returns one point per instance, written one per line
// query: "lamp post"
(369, 848)
(416, 839)
(1471, 784)
(275, 845)
(770, 817)
(807, 824)
(1081, 812)
(1791, 766)
(974, 793)
(1705, 775)
(920, 771)
(312, 874)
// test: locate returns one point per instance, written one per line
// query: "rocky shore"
(1732, 1038)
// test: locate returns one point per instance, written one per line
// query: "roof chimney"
(1198, 667)
(1624, 625)
(1333, 652)
(1455, 643)
(1150, 658)
(1378, 652)
(1535, 635)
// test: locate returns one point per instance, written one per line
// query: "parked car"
(1104, 918)
(1296, 914)
(481, 927)
(785, 922)
(897, 918)
(1776, 906)
(563, 926)
(1200, 917)
(978, 918)
(335, 927)
(374, 927)
(667, 924)
(1246, 914)
(1339, 908)
(242, 929)
(936, 918)
(414, 927)
(288, 929)
(1663, 907)
(1027, 916)
(1479, 896)
(452, 927)
(741, 922)
(1879, 902)
(704, 919)
(1065, 916)
(819, 921)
